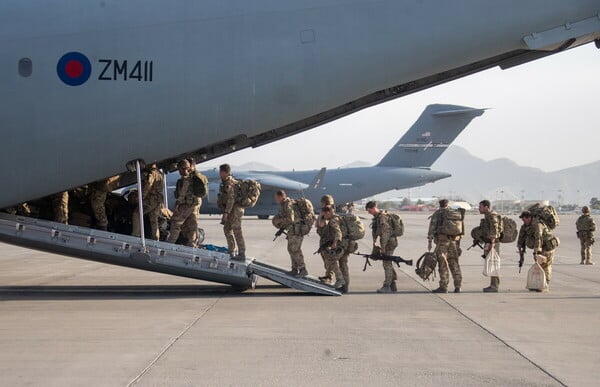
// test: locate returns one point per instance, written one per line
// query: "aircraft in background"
(90, 87)
(406, 165)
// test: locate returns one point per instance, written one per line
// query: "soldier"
(447, 248)
(490, 227)
(288, 218)
(60, 207)
(100, 190)
(330, 245)
(186, 207)
(382, 228)
(585, 232)
(536, 236)
(152, 197)
(326, 201)
(232, 213)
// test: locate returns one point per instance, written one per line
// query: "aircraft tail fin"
(429, 136)
(318, 180)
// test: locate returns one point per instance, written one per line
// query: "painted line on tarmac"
(491, 333)
(173, 341)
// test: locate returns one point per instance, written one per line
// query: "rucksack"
(450, 222)
(247, 193)
(397, 225)
(306, 212)
(585, 223)
(545, 214)
(352, 228)
(510, 231)
(426, 266)
(199, 185)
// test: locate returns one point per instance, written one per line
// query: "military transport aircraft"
(406, 165)
(92, 89)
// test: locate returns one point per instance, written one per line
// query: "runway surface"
(65, 321)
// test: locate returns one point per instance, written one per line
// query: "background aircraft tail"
(429, 136)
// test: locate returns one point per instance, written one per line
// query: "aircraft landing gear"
(263, 217)
(597, 42)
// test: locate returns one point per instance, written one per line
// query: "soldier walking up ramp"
(160, 257)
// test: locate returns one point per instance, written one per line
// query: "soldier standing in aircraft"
(187, 207)
(329, 244)
(289, 219)
(100, 190)
(60, 207)
(232, 213)
(382, 229)
(152, 197)
(490, 227)
(446, 231)
(585, 232)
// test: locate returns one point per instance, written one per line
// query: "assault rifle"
(521, 258)
(279, 233)
(478, 244)
(383, 257)
(324, 248)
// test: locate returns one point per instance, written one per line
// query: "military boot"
(344, 289)
(582, 262)
(292, 272)
(393, 287)
(384, 289)
(490, 289)
(589, 262)
(339, 284)
(440, 290)
(302, 273)
(457, 290)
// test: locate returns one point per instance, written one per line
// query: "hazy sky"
(551, 104)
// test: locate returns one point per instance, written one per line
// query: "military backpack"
(397, 225)
(450, 222)
(509, 232)
(585, 223)
(247, 193)
(352, 228)
(306, 212)
(426, 266)
(199, 184)
(545, 214)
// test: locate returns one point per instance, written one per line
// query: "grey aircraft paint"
(406, 165)
(88, 86)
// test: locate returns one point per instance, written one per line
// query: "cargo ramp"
(161, 257)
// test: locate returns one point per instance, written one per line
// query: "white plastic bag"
(536, 278)
(491, 266)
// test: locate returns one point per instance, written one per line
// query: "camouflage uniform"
(382, 228)
(100, 190)
(490, 227)
(60, 207)
(447, 251)
(289, 220)
(185, 216)
(152, 196)
(329, 233)
(232, 227)
(326, 201)
(533, 236)
(585, 232)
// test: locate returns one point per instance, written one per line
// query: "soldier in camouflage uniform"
(326, 201)
(447, 251)
(331, 238)
(490, 228)
(288, 219)
(382, 229)
(585, 232)
(232, 213)
(60, 207)
(186, 208)
(100, 190)
(152, 197)
(535, 235)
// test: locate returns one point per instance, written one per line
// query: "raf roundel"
(74, 68)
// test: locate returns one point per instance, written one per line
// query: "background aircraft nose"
(435, 175)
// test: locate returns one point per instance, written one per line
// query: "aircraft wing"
(278, 182)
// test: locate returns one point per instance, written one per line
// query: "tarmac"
(70, 322)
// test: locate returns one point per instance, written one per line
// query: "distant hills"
(474, 178)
